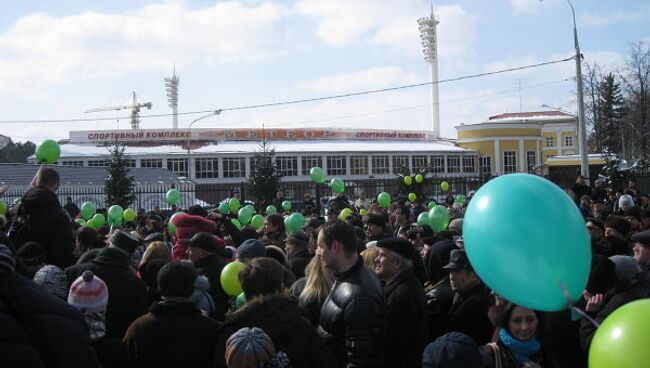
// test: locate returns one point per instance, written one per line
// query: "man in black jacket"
(353, 315)
(47, 222)
(469, 310)
(204, 252)
(128, 293)
(406, 317)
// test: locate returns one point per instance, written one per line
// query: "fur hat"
(378, 220)
(177, 279)
(88, 293)
(53, 280)
(618, 223)
(189, 225)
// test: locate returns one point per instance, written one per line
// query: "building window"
(151, 162)
(485, 167)
(358, 165)
(98, 163)
(287, 165)
(336, 165)
(72, 163)
(399, 163)
(438, 163)
(453, 163)
(531, 161)
(129, 163)
(509, 162)
(206, 167)
(234, 167)
(310, 161)
(468, 164)
(419, 163)
(178, 166)
(568, 141)
(549, 142)
(380, 164)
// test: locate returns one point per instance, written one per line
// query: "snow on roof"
(545, 116)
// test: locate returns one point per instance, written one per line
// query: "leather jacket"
(353, 316)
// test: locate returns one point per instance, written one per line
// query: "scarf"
(96, 325)
(522, 350)
(280, 360)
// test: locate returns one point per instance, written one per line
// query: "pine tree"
(265, 177)
(119, 185)
(610, 115)
(17, 152)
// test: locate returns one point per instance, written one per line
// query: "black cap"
(378, 220)
(596, 221)
(124, 241)
(177, 279)
(204, 241)
(154, 237)
(400, 246)
(313, 223)
(642, 237)
(458, 260)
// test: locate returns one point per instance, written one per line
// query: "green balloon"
(129, 214)
(91, 224)
(99, 220)
(286, 205)
(115, 212)
(363, 212)
(288, 226)
(345, 213)
(236, 223)
(337, 185)
(408, 180)
(48, 152)
(244, 215)
(171, 228)
(412, 197)
(80, 221)
(438, 218)
(419, 178)
(317, 175)
(297, 221)
(230, 278)
(423, 219)
(233, 205)
(258, 222)
(240, 301)
(3, 208)
(251, 209)
(384, 199)
(460, 199)
(224, 208)
(115, 222)
(622, 339)
(87, 210)
(431, 205)
(444, 186)
(173, 196)
(271, 210)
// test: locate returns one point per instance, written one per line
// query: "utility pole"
(428, 34)
(171, 86)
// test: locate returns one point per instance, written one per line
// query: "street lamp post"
(189, 152)
(582, 141)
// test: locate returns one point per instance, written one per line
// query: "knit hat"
(7, 260)
(249, 347)
(602, 276)
(177, 279)
(251, 248)
(88, 293)
(31, 253)
(627, 267)
(642, 237)
(626, 200)
(378, 220)
(454, 349)
(124, 241)
(53, 280)
(618, 223)
(456, 225)
(189, 225)
(633, 212)
(275, 252)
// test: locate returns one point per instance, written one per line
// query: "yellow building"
(520, 142)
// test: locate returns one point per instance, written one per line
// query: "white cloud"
(371, 78)
(40, 48)
(611, 18)
(525, 6)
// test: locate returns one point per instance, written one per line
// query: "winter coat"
(49, 224)
(40, 330)
(436, 258)
(469, 314)
(406, 318)
(298, 262)
(280, 318)
(439, 298)
(172, 335)
(127, 293)
(560, 337)
(211, 266)
(507, 358)
(112, 353)
(621, 294)
(353, 317)
(276, 238)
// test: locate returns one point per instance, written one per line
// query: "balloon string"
(573, 307)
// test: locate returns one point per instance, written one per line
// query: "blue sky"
(60, 58)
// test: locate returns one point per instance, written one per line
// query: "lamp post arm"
(189, 153)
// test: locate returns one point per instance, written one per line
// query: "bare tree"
(636, 81)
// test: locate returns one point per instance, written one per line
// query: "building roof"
(281, 147)
(530, 114)
(22, 175)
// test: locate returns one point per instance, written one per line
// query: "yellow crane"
(135, 110)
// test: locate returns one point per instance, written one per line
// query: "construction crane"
(135, 110)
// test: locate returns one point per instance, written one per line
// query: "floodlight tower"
(171, 86)
(428, 34)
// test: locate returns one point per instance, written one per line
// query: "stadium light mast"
(171, 86)
(428, 34)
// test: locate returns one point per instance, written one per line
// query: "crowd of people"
(371, 290)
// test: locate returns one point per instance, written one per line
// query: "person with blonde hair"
(318, 282)
(369, 255)
(157, 249)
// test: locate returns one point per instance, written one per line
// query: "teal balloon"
(115, 212)
(99, 220)
(317, 175)
(439, 218)
(258, 222)
(233, 205)
(271, 210)
(337, 185)
(173, 196)
(240, 301)
(297, 221)
(48, 152)
(87, 210)
(384, 199)
(286, 205)
(423, 219)
(244, 216)
(224, 208)
(525, 238)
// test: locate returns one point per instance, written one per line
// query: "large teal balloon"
(524, 237)
(623, 338)
(48, 152)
